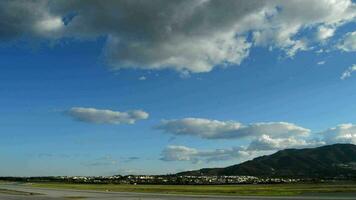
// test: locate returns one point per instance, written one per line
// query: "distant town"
(155, 179)
(321, 164)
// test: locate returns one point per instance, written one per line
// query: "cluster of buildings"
(157, 179)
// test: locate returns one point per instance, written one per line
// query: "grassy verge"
(254, 190)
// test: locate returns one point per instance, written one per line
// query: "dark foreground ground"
(13, 191)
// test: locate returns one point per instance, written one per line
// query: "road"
(60, 194)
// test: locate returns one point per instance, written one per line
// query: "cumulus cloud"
(266, 142)
(214, 129)
(346, 74)
(325, 32)
(28, 18)
(93, 115)
(262, 145)
(349, 42)
(190, 36)
(183, 153)
(343, 133)
(287, 21)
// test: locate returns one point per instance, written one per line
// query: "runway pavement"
(61, 194)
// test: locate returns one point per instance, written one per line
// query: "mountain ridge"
(337, 160)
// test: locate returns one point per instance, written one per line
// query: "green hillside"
(338, 160)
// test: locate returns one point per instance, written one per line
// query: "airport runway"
(60, 194)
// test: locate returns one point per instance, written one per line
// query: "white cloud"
(50, 24)
(93, 115)
(349, 42)
(214, 129)
(287, 21)
(343, 133)
(262, 145)
(346, 74)
(266, 142)
(29, 18)
(321, 62)
(183, 153)
(325, 32)
(178, 153)
(142, 78)
(192, 36)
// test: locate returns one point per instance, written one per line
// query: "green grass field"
(254, 190)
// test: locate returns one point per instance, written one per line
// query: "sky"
(156, 87)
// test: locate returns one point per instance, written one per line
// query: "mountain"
(338, 160)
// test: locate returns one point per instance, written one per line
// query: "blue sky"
(98, 99)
